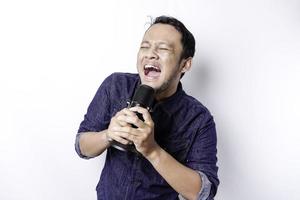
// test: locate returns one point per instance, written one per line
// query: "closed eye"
(164, 49)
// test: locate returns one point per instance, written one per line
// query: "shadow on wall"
(196, 81)
(201, 83)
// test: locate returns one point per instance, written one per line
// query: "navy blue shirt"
(183, 127)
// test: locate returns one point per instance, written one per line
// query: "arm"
(184, 180)
(91, 139)
(92, 144)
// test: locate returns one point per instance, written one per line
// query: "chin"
(151, 84)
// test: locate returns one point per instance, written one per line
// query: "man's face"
(158, 60)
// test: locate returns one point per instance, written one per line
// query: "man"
(176, 142)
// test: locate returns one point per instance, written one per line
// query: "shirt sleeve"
(97, 117)
(77, 148)
(202, 155)
(205, 189)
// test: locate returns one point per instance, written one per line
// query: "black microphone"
(143, 97)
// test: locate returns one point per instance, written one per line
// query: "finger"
(137, 136)
(144, 112)
(114, 120)
(131, 120)
(120, 137)
(121, 140)
(126, 111)
(123, 112)
(136, 140)
(127, 131)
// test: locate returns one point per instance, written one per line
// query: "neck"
(168, 92)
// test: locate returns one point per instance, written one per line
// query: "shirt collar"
(169, 101)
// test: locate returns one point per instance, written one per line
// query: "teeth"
(151, 66)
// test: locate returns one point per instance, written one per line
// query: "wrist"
(107, 139)
(154, 156)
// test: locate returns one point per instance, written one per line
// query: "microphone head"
(143, 96)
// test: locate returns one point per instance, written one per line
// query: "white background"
(54, 55)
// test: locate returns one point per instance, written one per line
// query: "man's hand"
(113, 132)
(143, 135)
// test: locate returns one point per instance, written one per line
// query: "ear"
(186, 64)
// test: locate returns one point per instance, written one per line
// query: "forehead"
(163, 33)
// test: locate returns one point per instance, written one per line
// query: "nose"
(151, 54)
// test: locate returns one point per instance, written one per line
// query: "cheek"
(138, 60)
(171, 65)
(168, 58)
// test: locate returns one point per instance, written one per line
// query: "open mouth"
(152, 71)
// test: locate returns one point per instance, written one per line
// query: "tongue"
(153, 74)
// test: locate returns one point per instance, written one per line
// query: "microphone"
(143, 97)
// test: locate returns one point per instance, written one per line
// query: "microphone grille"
(144, 96)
